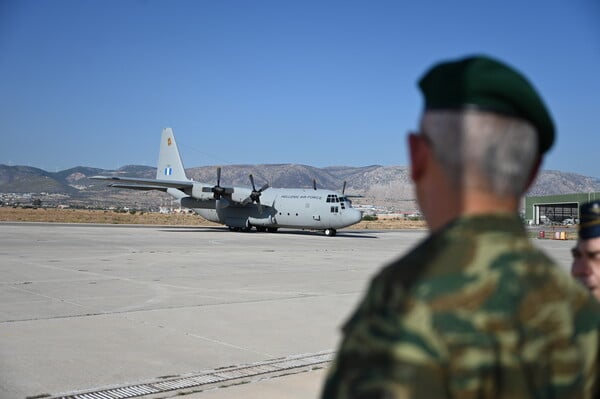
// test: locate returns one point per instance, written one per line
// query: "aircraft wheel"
(330, 232)
(272, 229)
(261, 229)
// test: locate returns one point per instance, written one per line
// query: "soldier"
(475, 310)
(586, 254)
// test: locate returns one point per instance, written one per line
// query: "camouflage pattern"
(474, 311)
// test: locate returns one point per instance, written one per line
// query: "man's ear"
(418, 152)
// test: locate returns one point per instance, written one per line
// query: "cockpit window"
(332, 198)
(346, 199)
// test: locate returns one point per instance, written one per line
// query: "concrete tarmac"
(87, 308)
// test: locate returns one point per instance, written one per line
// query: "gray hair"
(483, 150)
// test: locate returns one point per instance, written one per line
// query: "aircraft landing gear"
(238, 229)
(249, 229)
(330, 232)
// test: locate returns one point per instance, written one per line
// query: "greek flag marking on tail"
(168, 171)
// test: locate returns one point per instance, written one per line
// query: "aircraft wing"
(139, 187)
(146, 184)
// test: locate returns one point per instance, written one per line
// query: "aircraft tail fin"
(169, 165)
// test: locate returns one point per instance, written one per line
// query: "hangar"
(556, 209)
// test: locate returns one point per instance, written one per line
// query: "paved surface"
(89, 308)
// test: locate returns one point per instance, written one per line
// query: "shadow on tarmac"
(218, 229)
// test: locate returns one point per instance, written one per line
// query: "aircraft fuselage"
(282, 207)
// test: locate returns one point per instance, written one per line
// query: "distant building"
(556, 209)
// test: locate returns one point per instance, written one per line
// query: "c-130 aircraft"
(240, 208)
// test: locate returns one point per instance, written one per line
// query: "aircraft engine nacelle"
(199, 194)
(195, 203)
(240, 194)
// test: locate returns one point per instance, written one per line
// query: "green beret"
(488, 85)
(589, 224)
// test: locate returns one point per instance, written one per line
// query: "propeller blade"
(216, 190)
(344, 187)
(255, 194)
(314, 184)
(258, 204)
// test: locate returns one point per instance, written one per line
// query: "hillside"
(383, 186)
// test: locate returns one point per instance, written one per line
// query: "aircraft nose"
(356, 216)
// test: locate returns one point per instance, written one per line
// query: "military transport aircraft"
(239, 208)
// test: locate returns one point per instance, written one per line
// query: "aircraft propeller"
(217, 190)
(255, 194)
(314, 184)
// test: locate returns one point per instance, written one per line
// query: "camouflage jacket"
(474, 311)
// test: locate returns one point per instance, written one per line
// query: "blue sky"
(320, 83)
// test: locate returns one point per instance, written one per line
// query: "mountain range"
(382, 186)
